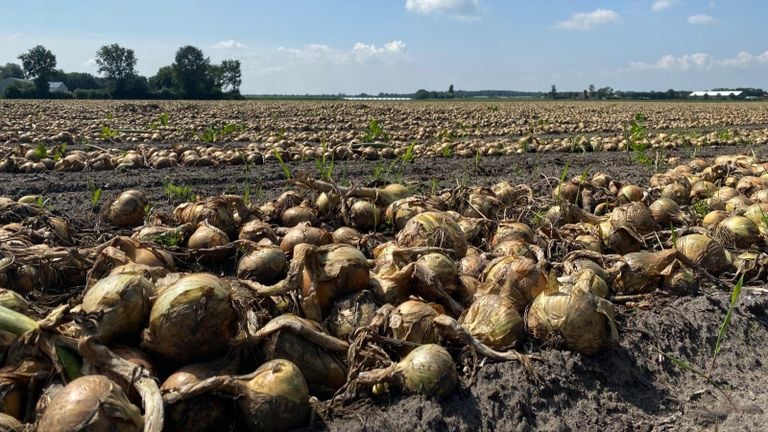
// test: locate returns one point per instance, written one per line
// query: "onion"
(737, 231)
(326, 203)
(298, 214)
(304, 233)
(635, 216)
(512, 248)
(191, 319)
(433, 229)
(256, 231)
(412, 321)
(324, 371)
(493, 320)
(677, 192)
(680, 282)
(332, 271)
(10, 424)
(758, 214)
(428, 370)
(217, 211)
(350, 313)
(443, 268)
(207, 236)
(704, 251)
(401, 211)
(665, 211)
(473, 264)
(128, 209)
(643, 271)
(92, 402)
(203, 412)
(265, 264)
(393, 286)
(589, 281)
(512, 231)
(119, 304)
(589, 242)
(515, 278)
(630, 193)
(273, 398)
(584, 321)
(567, 192)
(364, 215)
(713, 218)
(702, 189)
(13, 301)
(483, 204)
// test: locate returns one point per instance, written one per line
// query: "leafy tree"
(553, 92)
(81, 80)
(39, 63)
(421, 94)
(164, 79)
(231, 76)
(192, 73)
(117, 64)
(11, 70)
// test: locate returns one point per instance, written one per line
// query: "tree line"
(190, 76)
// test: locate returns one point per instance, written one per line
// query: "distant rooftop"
(716, 93)
(377, 98)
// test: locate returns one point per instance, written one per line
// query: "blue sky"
(352, 46)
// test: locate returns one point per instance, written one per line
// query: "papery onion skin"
(191, 319)
(276, 398)
(517, 278)
(428, 370)
(704, 251)
(494, 321)
(92, 402)
(433, 229)
(128, 209)
(121, 304)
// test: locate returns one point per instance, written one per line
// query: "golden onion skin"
(704, 251)
(276, 398)
(92, 403)
(516, 278)
(201, 413)
(191, 319)
(433, 229)
(494, 321)
(120, 303)
(584, 321)
(428, 370)
(128, 209)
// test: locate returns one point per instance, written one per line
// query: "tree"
(553, 92)
(421, 94)
(164, 79)
(604, 92)
(81, 80)
(231, 76)
(11, 70)
(192, 73)
(39, 63)
(118, 65)
(450, 90)
(591, 89)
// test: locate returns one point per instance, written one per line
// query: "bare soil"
(636, 386)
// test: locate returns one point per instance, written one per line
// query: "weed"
(727, 321)
(687, 367)
(375, 132)
(107, 133)
(700, 208)
(325, 164)
(176, 193)
(478, 160)
(493, 108)
(447, 151)
(95, 195)
(409, 155)
(433, 185)
(216, 133)
(246, 193)
(637, 140)
(163, 118)
(41, 152)
(283, 166)
(59, 152)
(40, 202)
(169, 239)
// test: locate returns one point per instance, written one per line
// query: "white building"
(716, 93)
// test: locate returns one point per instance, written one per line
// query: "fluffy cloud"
(229, 44)
(701, 61)
(697, 61)
(90, 62)
(660, 5)
(456, 8)
(702, 19)
(359, 52)
(587, 20)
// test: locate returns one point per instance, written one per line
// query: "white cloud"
(700, 62)
(702, 19)
(360, 52)
(268, 70)
(463, 9)
(229, 44)
(587, 20)
(14, 36)
(90, 62)
(660, 5)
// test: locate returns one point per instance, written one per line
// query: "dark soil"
(635, 386)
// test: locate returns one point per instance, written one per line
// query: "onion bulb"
(91, 402)
(584, 322)
(412, 321)
(304, 233)
(737, 231)
(128, 209)
(332, 271)
(257, 230)
(516, 278)
(265, 264)
(493, 320)
(704, 251)
(350, 313)
(428, 370)
(433, 229)
(191, 319)
(119, 304)
(364, 215)
(207, 236)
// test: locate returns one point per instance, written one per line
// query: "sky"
(399, 46)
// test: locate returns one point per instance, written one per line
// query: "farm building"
(57, 87)
(716, 93)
